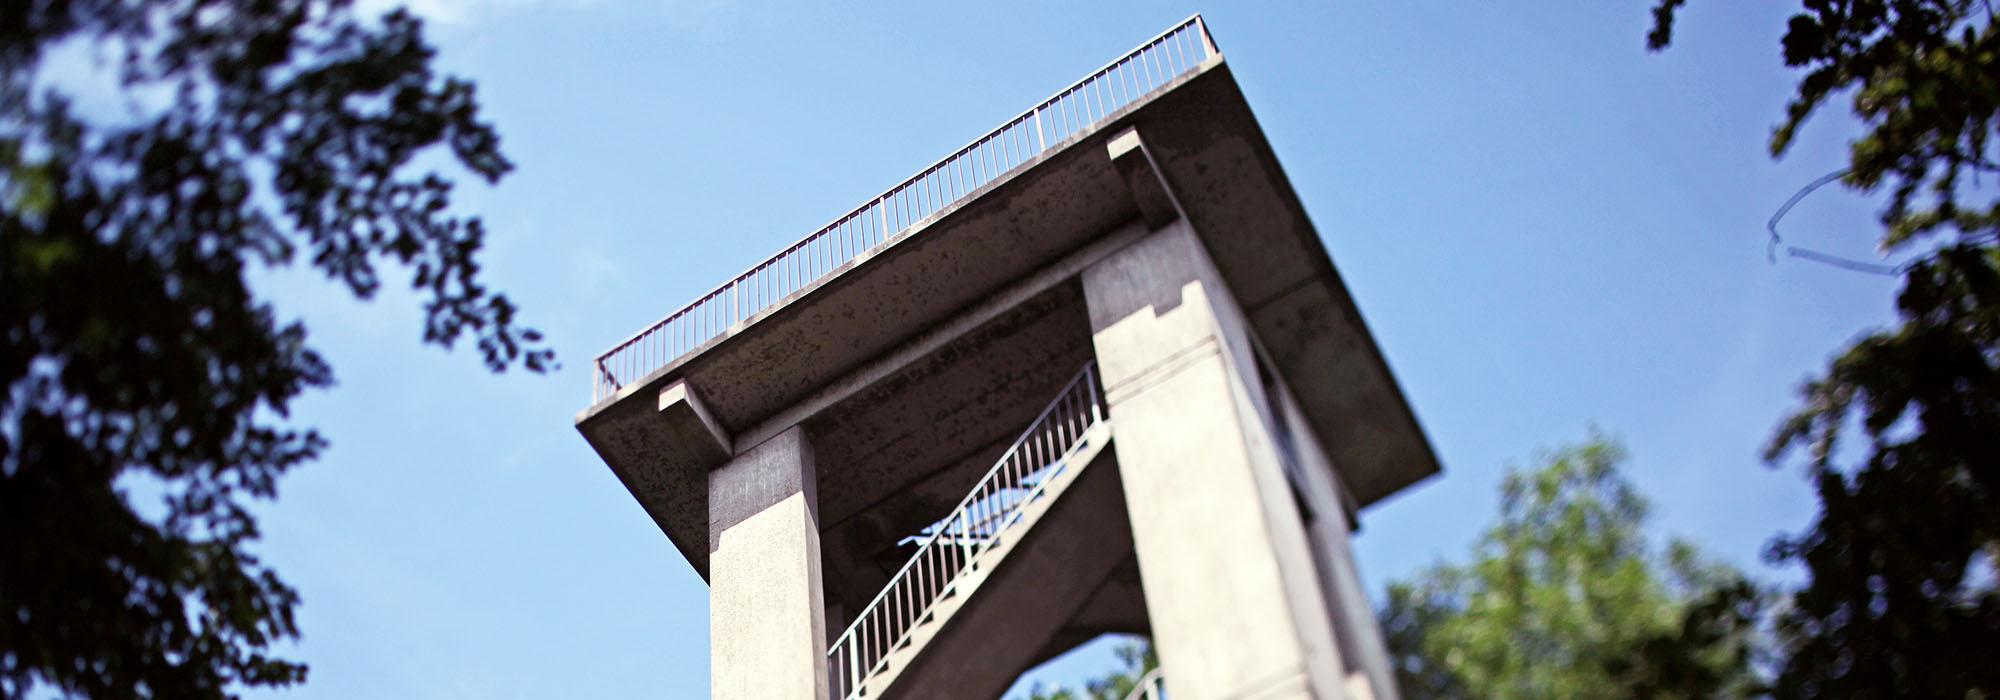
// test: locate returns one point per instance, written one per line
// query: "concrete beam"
(689, 420)
(874, 371)
(1150, 192)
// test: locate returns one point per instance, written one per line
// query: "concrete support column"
(1231, 588)
(767, 622)
(1364, 653)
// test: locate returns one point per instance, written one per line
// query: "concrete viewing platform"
(1092, 373)
(915, 335)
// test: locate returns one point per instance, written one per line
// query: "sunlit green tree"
(1564, 597)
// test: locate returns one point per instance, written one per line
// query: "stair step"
(960, 590)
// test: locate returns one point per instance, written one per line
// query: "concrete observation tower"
(1093, 373)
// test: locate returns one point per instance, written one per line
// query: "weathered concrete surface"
(691, 423)
(898, 454)
(1157, 206)
(1000, 629)
(767, 634)
(878, 302)
(1118, 606)
(1232, 594)
(666, 473)
(1363, 651)
(948, 407)
(1224, 173)
(1214, 160)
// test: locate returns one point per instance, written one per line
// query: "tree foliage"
(1900, 599)
(1135, 657)
(136, 359)
(1564, 598)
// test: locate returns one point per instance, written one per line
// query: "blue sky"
(1547, 227)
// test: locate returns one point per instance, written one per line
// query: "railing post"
(1041, 141)
(882, 216)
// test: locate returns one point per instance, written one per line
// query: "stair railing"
(1151, 686)
(953, 545)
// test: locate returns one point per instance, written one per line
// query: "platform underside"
(915, 364)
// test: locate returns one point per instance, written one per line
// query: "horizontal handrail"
(1018, 142)
(956, 541)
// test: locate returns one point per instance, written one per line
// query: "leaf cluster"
(135, 361)
(1901, 560)
(1563, 598)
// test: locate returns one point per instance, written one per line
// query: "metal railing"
(955, 542)
(1020, 141)
(1151, 686)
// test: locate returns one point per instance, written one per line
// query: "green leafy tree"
(1563, 598)
(1135, 658)
(133, 356)
(1900, 599)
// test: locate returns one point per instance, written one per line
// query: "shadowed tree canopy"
(1901, 561)
(135, 358)
(1564, 598)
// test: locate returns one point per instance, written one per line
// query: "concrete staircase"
(1018, 594)
(996, 580)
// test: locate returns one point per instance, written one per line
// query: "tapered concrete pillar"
(1364, 654)
(1235, 604)
(767, 623)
